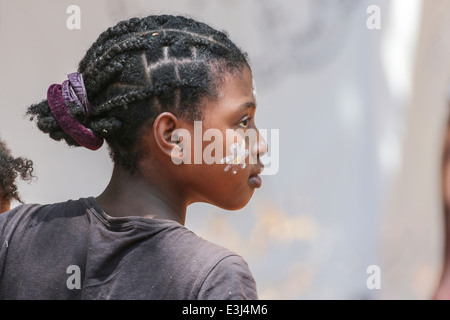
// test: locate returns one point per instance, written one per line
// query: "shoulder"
(230, 279)
(225, 275)
(25, 216)
(17, 215)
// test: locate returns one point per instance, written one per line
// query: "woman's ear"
(164, 127)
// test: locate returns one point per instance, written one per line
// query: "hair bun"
(59, 97)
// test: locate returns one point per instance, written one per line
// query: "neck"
(135, 195)
(5, 205)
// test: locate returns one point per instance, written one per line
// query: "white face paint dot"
(237, 157)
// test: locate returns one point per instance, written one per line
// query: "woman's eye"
(244, 123)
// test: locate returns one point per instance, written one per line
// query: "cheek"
(236, 157)
(224, 182)
(228, 189)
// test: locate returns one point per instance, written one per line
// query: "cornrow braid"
(140, 68)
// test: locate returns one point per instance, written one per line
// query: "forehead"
(234, 91)
(239, 83)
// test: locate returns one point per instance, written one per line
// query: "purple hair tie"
(73, 90)
(59, 97)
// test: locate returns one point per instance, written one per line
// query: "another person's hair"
(10, 169)
(140, 68)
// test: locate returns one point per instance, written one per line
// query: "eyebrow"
(247, 105)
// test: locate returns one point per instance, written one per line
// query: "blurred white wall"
(359, 111)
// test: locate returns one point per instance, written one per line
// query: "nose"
(261, 147)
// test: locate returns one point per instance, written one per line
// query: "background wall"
(360, 112)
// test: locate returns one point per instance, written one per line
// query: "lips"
(255, 180)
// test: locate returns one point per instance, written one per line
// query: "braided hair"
(139, 68)
(10, 169)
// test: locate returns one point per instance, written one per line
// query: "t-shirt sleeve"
(230, 279)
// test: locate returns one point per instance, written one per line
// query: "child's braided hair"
(140, 68)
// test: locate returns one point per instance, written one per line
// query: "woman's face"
(231, 146)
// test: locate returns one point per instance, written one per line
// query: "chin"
(234, 204)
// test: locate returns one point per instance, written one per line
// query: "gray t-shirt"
(74, 250)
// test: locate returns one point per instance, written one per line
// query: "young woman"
(141, 84)
(10, 169)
